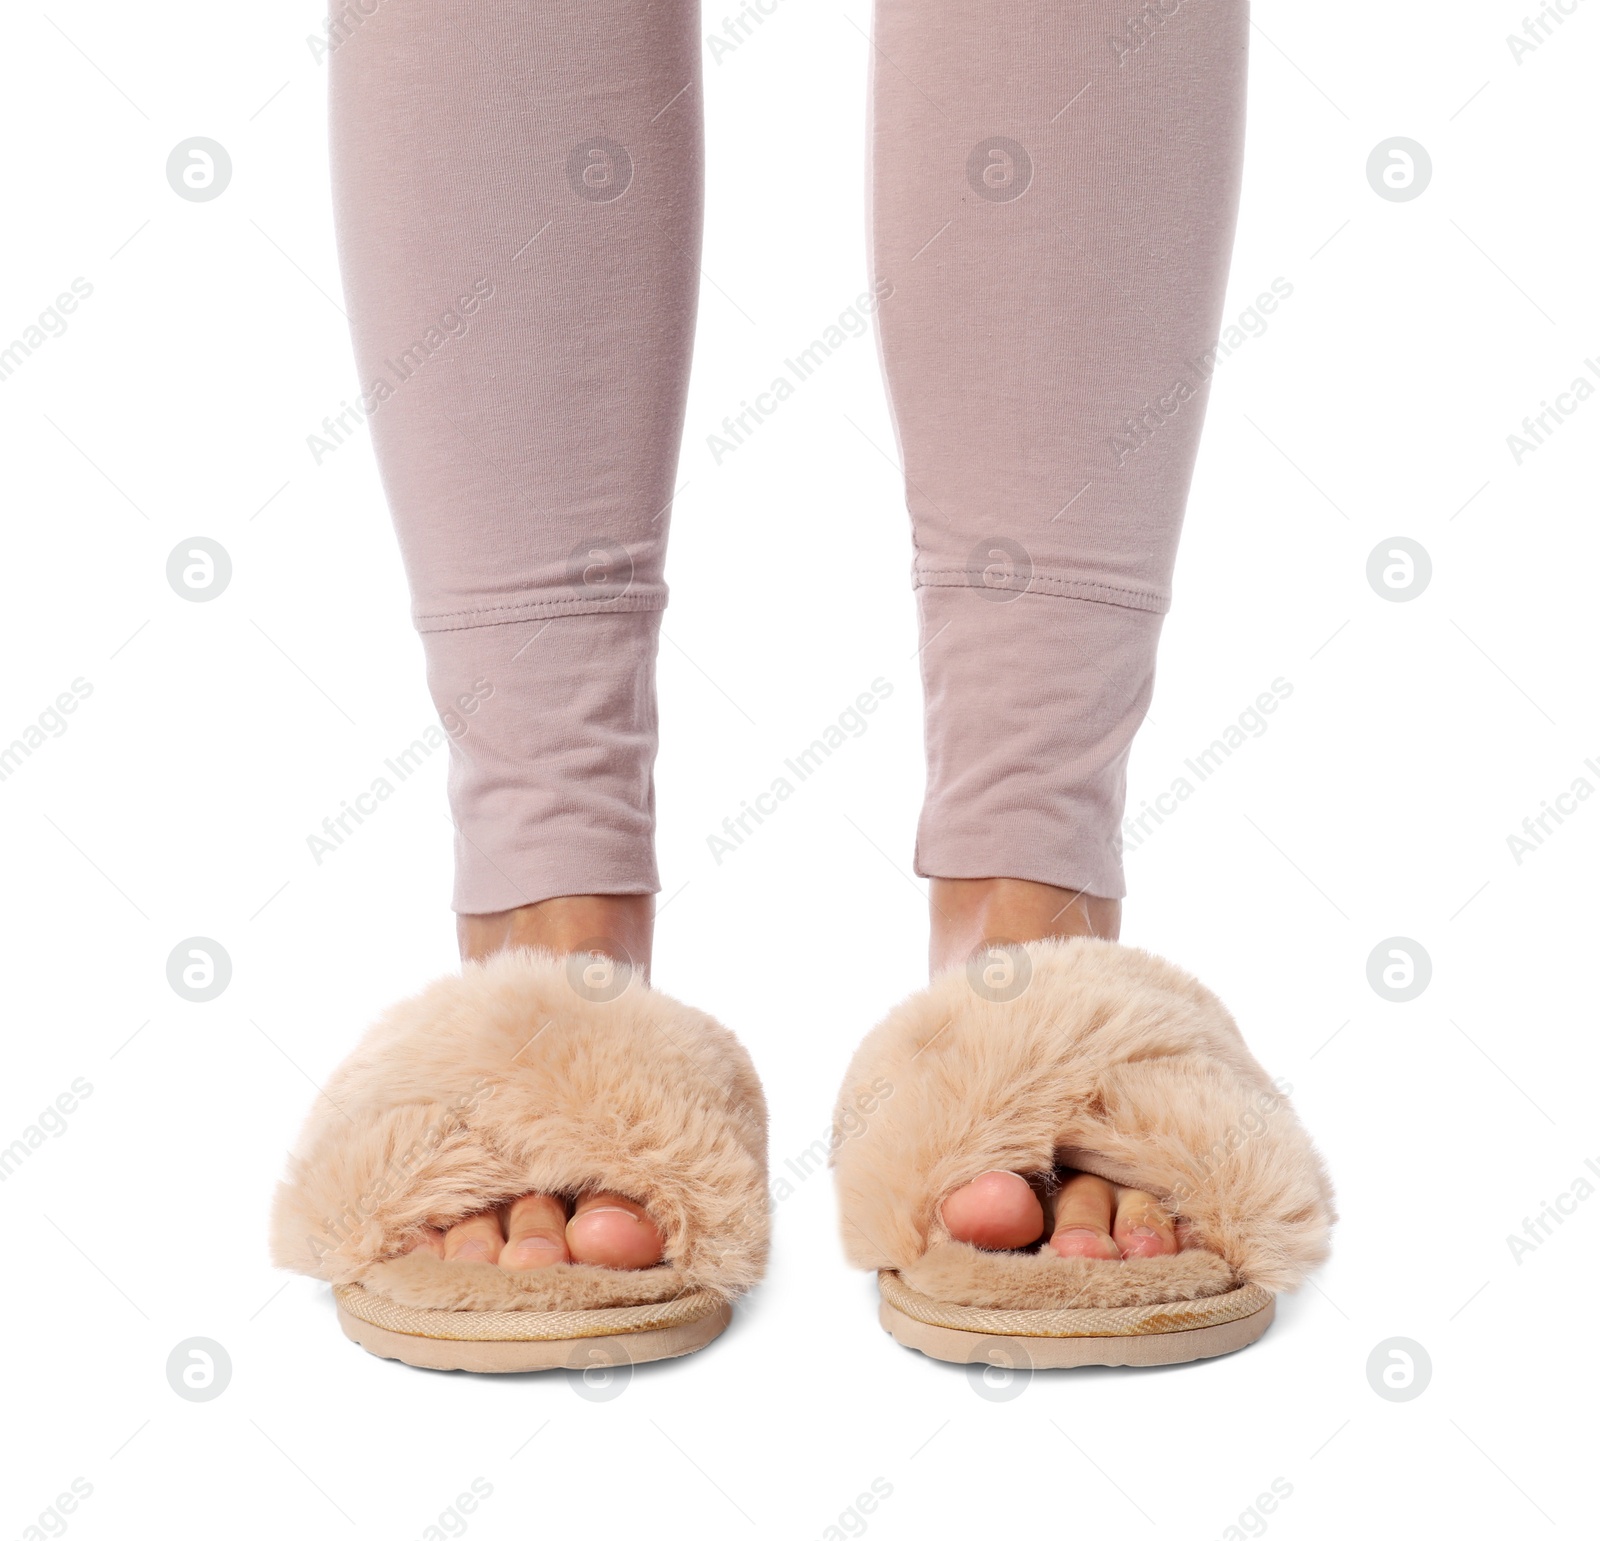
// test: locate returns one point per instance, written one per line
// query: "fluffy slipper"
(1086, 1055)
(531, 1074)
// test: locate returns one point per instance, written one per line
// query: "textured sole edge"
(1066, 1321)
(507, 1357)
(497, 1326)
(1015, 1353)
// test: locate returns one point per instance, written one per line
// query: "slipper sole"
(1173, 1333)
(512, 1342)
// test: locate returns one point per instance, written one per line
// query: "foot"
(1095, 1218)
(999, 1210)
(537, 1230)
(966, 914)
(618, 925)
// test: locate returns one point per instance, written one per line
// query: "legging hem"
(539, 610)
(1054, 585)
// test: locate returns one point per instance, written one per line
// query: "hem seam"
(1048, 584)
(538, 610)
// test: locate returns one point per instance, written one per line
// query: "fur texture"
(421, 1279)
(1110, 1060)
(505, 1080)
(962, 1275)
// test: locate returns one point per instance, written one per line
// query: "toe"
(997, 1210)
(477, 1239)
(612, 1232)
(536, 1232)
(1083, 1218)
(1142, 1227)
(429, 1240)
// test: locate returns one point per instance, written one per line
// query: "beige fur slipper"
(531, 1074)
(1087, 1055)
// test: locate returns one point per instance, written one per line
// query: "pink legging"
(519, 190)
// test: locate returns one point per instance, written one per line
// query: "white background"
(218, 736)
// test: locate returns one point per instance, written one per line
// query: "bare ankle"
(619, 926)
(965, 913)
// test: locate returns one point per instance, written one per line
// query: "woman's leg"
(518, 194)
(518, 190)
(1055, 189)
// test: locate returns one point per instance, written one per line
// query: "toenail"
(606, 1209)
(534, 1243)
(1101, 1238)
(1144, 1230)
